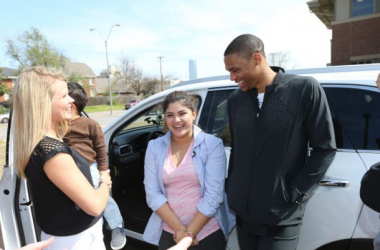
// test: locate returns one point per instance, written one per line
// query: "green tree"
(75, 77)
(31, 48)
(3, 89)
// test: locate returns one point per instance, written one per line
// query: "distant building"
(115, 72)
(83, 74)
(192, 69)
(10, 77)
(118, 86)
(355, 26)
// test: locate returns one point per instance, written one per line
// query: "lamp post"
(162, 79)
(108, 68)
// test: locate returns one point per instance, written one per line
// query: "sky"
(177, 30)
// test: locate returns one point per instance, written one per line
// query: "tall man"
(274, 119)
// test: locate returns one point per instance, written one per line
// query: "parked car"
(131, 103)
(4, 118)
(335, 217)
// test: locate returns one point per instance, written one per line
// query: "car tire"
(4, 120)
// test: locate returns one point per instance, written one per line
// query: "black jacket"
(271, 173)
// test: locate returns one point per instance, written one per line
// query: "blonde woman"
(66, 204)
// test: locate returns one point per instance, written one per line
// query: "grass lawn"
(100, 108)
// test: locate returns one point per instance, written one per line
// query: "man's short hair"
(245, 46)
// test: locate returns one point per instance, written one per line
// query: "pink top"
(184, 192)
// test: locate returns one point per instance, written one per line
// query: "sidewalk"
(106, 113)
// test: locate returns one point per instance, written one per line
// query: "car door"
(332, 213)
(358, 110)
(16, 210)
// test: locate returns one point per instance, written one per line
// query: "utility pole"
(162, 79)
(108, 67)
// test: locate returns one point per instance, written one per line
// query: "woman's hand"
(178, 236)
(195, 242)
(105, 177)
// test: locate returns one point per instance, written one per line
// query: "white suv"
(335, 217)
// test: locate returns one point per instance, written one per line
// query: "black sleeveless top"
(56, 214)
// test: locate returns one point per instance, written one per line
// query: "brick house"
(83, 74)
(9, 81)
(355, 26)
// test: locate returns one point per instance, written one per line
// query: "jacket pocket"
(285, 190)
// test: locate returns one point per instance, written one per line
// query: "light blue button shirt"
(210, 163)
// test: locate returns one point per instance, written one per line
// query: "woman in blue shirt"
(170, 221)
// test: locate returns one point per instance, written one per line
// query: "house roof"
(11, 73)
(78, 68)
(324, 10)
(117, 85)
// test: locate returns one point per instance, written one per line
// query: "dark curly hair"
(77, 92)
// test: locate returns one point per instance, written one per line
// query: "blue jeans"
(111, 212)
(376, 242)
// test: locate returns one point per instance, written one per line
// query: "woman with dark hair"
(184, 181)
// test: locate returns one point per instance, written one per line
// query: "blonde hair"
(32, 112)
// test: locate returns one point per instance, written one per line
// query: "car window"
(214, 116)
(152, 116)
(358, 112)
(341, 138)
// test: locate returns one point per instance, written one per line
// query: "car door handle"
(334, 183)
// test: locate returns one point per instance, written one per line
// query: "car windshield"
(150, 118)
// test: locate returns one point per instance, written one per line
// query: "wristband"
(100, 182)
(189, 234)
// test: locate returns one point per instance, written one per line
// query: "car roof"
(364, 75)
(349, 74)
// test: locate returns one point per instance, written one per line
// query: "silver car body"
(334, 214)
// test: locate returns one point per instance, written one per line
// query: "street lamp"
(108, 68)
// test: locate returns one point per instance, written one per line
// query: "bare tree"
(280, 59)
(133, 79)
(150, 86)
(131, 75)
